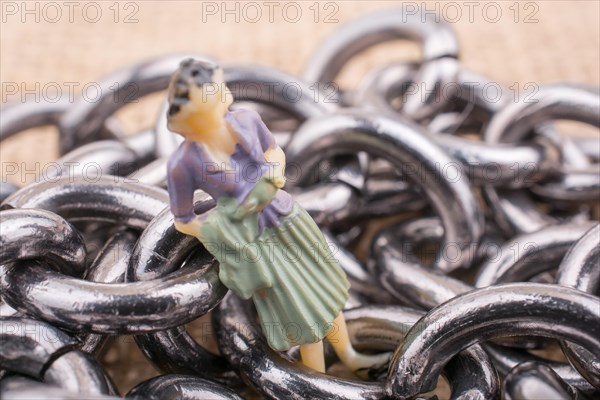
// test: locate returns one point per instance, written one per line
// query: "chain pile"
(489, 248)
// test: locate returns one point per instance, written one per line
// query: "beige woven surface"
(563, 45)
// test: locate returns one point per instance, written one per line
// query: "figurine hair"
(200, 72)
(190, 71)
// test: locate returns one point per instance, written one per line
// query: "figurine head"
(198, 99)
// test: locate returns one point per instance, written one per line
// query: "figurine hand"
(259, 197)
(276, 157)
(191, 228)
(279, 181)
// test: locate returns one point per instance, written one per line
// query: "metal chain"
(479, 249)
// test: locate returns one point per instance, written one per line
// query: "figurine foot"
(366, 366)
(312, 356)
(369, 366)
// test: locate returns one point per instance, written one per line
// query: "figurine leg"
(357, 362)
(312, 355)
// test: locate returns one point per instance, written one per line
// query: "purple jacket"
(191, 168)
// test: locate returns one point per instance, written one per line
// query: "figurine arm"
(180, 184)
(273, 154)
(253, 135)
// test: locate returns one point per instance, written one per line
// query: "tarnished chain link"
(468, 241)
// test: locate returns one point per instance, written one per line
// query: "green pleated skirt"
(290, 272)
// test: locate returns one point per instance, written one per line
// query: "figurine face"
(198, 99)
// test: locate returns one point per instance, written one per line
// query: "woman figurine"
(268, 247)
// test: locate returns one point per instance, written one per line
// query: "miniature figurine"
(268, 247)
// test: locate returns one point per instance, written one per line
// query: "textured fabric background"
(511, 42)
(541, 41)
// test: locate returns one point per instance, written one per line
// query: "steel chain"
(483, 224)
